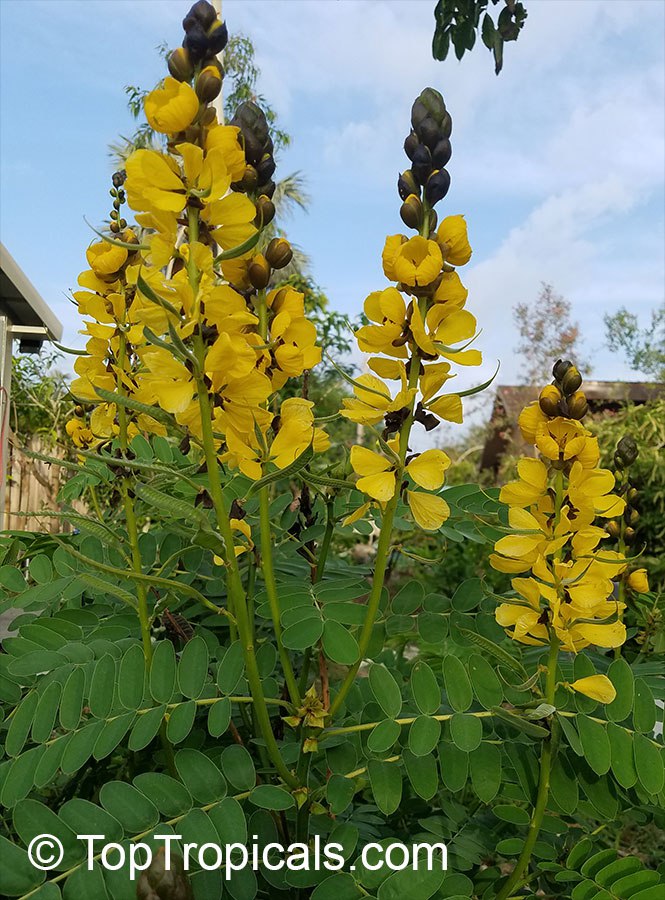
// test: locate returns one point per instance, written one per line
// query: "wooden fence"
(32, 487)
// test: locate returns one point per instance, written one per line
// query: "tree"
(458, 22)
(546, 333)
(644, 348)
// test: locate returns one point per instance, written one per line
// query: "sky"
(558, 163)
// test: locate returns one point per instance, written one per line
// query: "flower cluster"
(210, 344)
(565, 582)
(417, 328)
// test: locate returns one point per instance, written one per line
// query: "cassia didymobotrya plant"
(212, 659)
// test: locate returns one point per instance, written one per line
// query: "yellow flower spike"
(171, 108)
(377, 474)
(638, 580)
(105, 259)
(452, 234)
(598, 687)
(429, 510)
(428, 469)
(418, 262)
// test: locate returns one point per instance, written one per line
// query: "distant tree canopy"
(458, 22)
(643, 348)
(547, 333)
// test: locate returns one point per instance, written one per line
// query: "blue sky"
(558, 163)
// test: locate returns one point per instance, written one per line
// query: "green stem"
(236, 593)
(318, 576)
(382, 550)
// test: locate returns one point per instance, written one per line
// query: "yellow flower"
(172, 107)
(79, 433)
(377, 473)
(416, 262)
(428, 469)
(638, 580)
(598, 687)
(154, 182)
(105, 259)
(530, 488)
(429, 510)
(373, 401)
(563, 439)
(388, 309)
(452, 234)
(591, 489)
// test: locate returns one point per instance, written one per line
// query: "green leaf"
(621, 676)
(84, 817)
(622, 755)
(111, 735)
(169, 796)
(19, 727)
(193, 667)
(649, 764)
(303, 634)
(408, 599)
(163, 672)
(563, 785)
(219, 717)
(468, 595)
(339, 645)
(466, 731)
(79, 749)
(339, 886)
(454, 765)
(644, 711)
(71, 703)
(425, 689)
(238, 767)
(181, 721)
(231, 668)
(571, 735)
(17, 874)
(46, 713)
(36, 662)
(229, 821)
(32, 818)
(339, 793)
(485, 682)
(146, 727)
(385, 690)
(386, 782)
(131, 677)
(457, 684)
(21, 776)
(595, 743)
(130, 807)
(485, 766)
(201, 776)
(516, 815)
(269, 796)
(422, 772)
(424, 735)
(100, 697)
(383, 736)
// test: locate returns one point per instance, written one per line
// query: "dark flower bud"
(279, 253)
(428, 132)
(158, 882)
(218, 37)
(612, 528)
(268, 189)
(411, 144)
(560, 368)
(265, 211)
(407, 184)
(412, 212)
(627, 450)
(571, 381)
(577, 405)
(429, 103)
(441, 153)
(419, 113)
(446, 126)
(196, 43)
(422, 164)
(549, 400)
(258, 271)
(251, 121)
(266, 168)
(629, 535)
(118, 178)
(180, 65)
(632, 495)
(115, 228)
(79, 411)
(208, 116)
(633, 516)
(208, 84)
(202, 13)
(437, 186)
(249, 180)
(433, 221)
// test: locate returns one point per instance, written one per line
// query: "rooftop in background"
(20, 302)
(511, 399)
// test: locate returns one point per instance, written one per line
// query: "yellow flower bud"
(180, 65)
(577, 406)
(208, 84)
(104, 259)
(171, 108)
(639, 581)
(549, 399)
(265, 211)
(259, 271)
(279, 253)
(411, 212)
(571, 381)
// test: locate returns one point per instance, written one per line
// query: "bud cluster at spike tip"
(205, 37)
(563, 397)
(428, 148)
